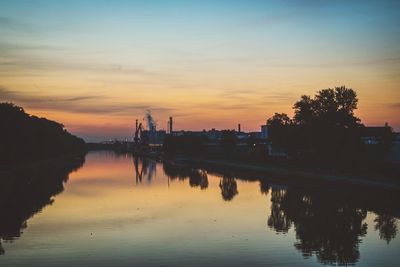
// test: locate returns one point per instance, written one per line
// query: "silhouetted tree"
(330, 107)
(24, 136)
(279, 119)
(324, 130)
(387, 227)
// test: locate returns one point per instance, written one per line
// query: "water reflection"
(228, 187)
(329, 228)
(387, 227)
(328, 223)
(28, 190)
(197, 177)
(144, 167)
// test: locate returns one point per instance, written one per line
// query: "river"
(115, 210)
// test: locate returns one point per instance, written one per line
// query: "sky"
(96, 66)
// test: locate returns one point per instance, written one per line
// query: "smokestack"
(239, 128)
(170, 125)
(136, 128)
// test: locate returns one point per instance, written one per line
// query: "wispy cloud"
(89, 104)
(13, 65)
(9, 24)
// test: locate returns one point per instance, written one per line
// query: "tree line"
(26, 137)
(325, 130)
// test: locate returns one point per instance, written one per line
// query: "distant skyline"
(96, 66)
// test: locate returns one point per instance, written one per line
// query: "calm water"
(115, 210)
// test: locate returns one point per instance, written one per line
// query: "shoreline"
(289, 174)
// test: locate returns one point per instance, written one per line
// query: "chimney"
(239, 128)
(170, 125)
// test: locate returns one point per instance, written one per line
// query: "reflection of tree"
(264, 186)
(387, 227)
(325, 226)
(196, 177)
(228, 188)
(26, 191)
(277, 220)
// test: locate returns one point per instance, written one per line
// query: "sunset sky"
(96, 66)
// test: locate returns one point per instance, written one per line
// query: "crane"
(138, 132)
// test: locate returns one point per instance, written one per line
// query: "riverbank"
(284, 174)
(68, 161)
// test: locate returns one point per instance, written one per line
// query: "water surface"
(121, 211)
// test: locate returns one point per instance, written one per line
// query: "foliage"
(330, 107)
(279, 119)
(27, 137)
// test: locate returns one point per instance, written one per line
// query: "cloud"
(23, 64)
(14, 49)
(394, 105)
(256, 97)
(10, 24)
(89, 104)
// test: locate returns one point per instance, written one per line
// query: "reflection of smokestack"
(239, 128)
(170, 125)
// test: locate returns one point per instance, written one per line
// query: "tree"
(279, 119)
(27, 137)
(329, 107)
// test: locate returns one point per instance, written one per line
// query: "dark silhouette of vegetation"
(325, 131)
(387, 227)
(26, 137)
(329, 107)
(228, 187)
(279, 119)
(27, 190)
(196, 177)
(329, 225)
